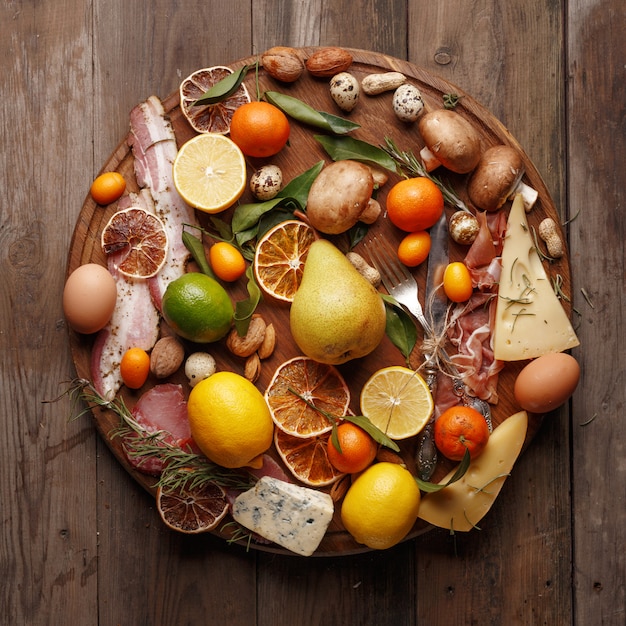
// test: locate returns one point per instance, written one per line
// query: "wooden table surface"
(82, 543)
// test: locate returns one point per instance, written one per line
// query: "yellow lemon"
(230, 420)
(398, 401)
(381, 506)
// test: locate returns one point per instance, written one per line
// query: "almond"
(327, 62)
(252, 368)
(166, 357)
(282, 63)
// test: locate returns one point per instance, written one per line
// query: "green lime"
(197, 308)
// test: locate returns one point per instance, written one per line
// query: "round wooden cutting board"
(377, 120)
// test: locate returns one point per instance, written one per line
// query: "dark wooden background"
(82, 542)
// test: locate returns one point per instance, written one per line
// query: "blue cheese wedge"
(291, 516)
(530, 320)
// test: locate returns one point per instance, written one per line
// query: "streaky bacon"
(471, 333)
(134, 323)
(153, 143)
(162, 409)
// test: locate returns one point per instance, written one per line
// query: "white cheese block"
(461, 505)
(294, 517)
(530, 320)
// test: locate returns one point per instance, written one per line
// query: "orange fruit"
(190, 509)
(108, 187)
(459, 428)
(135, 367)
(226, 261)
(306, 458)
(319, 384)
(279, 258)
(414, 204)
(141, 239)
(414, 248)
(260, 129)
(209, 118)
(457, 282)
(358, 449)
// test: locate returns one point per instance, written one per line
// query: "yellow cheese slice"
(461, 505)
(530, 320)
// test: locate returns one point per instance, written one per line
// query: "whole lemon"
(381, 506)
(230, 420)
(197, 308)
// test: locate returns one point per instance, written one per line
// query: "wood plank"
(597, 153)
(485, 49)
(48, 558)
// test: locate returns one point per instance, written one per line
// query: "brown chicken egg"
(546, 382)
(89, 298)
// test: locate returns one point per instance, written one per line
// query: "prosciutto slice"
(162, 409)
(153, 144)
(134, 323)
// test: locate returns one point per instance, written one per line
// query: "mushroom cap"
(497, 174)
(339, 197)
(452, 139)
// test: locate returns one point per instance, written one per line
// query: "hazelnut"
(166, 357)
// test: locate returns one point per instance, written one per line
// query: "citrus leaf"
(373, 431)
(224, 88)
(460, 472)
(196, 248)
(245, 308)
(399, 327)
(340, 148)
(298, 188)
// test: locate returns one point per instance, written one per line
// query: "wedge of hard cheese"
(461, 505)
(294, 517)
(530, 320)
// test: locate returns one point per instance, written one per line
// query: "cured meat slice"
(154, 147)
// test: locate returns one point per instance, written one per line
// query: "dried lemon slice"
(209, 118)
(210, 172)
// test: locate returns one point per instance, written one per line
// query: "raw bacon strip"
(134, 323)
(153, 143)
(161, 409)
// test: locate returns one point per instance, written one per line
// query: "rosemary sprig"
(411, 164)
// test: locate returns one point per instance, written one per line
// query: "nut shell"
(327, 62)
(166, 357)
(282, 63)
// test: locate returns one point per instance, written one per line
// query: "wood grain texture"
(80, 540)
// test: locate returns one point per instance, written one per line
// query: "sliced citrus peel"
(140, 239)
(210, 118)
(190, 509)
(279, 258)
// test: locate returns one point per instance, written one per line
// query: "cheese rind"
(294, 517)
(461, 505)
(530, 320)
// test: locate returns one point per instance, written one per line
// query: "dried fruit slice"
(140, 239)
(192, 510)
(319, 384)
(211, 118)
(307, 458)
(279, 258)
(397, 400)
(210, 172)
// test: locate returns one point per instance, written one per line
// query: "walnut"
(282, 63)
(166, 357)
(266, 349)
(250, 342)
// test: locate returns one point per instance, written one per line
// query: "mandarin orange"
(461, 428)
(358, 449)
(259, 129)
(414, 204)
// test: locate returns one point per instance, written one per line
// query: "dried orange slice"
(319, 384)
(192, 510)
(141, 240)
(279, 258)
(307, 458)
(209, 118)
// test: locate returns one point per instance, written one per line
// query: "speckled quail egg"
(345, 90)
(198, 366)
(407, 103)
(463, 227)
(266, 182)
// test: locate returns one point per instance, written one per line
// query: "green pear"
(336, 314)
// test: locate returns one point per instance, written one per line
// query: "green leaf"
(246, 216)
(245, 308)
(373, 431)
(224, 88)
(299, 187)
(400, 327)
(306, 114)
(195, 246)
(340, 148)
(460, 472)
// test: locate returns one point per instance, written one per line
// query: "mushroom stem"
(529, 195)
(430, 161)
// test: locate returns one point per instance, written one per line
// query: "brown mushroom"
(497, 177)
(341, 196)
(450, 141)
